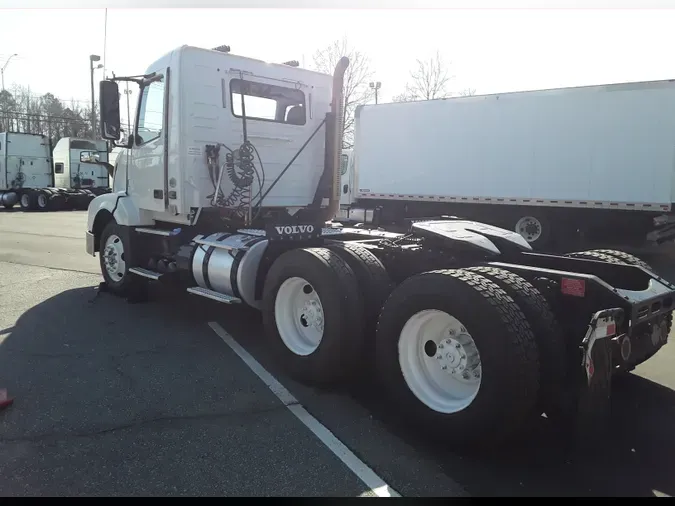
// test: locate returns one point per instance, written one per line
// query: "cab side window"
(151, 116)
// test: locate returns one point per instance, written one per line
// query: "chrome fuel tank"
(228, 263)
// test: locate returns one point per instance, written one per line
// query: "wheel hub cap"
(113, 258)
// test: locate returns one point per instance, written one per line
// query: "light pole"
(92, 59)
(2, 70)
(127, 92)
(376, 86)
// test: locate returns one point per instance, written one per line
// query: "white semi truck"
(228, 188)
(590, 163)
(69, 177)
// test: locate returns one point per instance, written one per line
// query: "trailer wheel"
(28, 201)
(547, 332)
(115, 259)
(313, 314)
(456, 354)
(535, 230)
(372, 278)
(626, 258)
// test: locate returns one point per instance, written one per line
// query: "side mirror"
(109, 105)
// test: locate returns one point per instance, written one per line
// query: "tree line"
(21, 111)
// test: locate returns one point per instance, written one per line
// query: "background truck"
(468, 331)
(37, 179)
(593, 163)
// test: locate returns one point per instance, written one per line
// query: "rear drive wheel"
(547, 332)
(594, 255)
(42, 201)
(626, 258)
(457, 356)
(313, 314)
(373, 280)
(28, 201)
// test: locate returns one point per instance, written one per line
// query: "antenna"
(222, 49)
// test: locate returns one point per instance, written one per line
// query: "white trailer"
(228, 186)
(69, 178)
(595, 160)
(25, 162)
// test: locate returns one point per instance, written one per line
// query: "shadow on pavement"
(123, 399)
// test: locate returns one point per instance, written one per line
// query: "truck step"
(210, 294)
(146, 273)
(154, 231)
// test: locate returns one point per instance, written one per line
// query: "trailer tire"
(626, 258)
(115, 242)
(509, 359)
(372, 278)
(547, 332)
(331, 301)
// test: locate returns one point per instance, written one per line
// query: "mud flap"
(594, 376)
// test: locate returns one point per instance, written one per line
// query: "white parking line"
(376, 484)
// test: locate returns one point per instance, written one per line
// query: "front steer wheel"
(115, 258)
(313, 314)
(457, 356)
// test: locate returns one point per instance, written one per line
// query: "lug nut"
(445, 367)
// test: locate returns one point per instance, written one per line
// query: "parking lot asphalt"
(145, 399)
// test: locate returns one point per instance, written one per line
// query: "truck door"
(146, 172)
(345, 177)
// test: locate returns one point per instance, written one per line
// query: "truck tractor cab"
(222, 135)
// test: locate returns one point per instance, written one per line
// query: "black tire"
(548, 333)
(8, 206)
(43, 201)
(374, 282)
(28, 200)
(507, 347)
(336, 285)
(626, 258)
(122, 286)
(594, 255)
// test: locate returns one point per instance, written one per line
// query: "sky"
(489, 50)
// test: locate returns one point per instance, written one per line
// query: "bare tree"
(467, 92)
(428, 81)
(357, 78)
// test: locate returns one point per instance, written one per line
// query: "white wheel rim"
(439, 361)
(113, 257)
(529, 228)
(42, 200)
(25, 200)
(299, 316)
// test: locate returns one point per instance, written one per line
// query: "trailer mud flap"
(594, 376)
